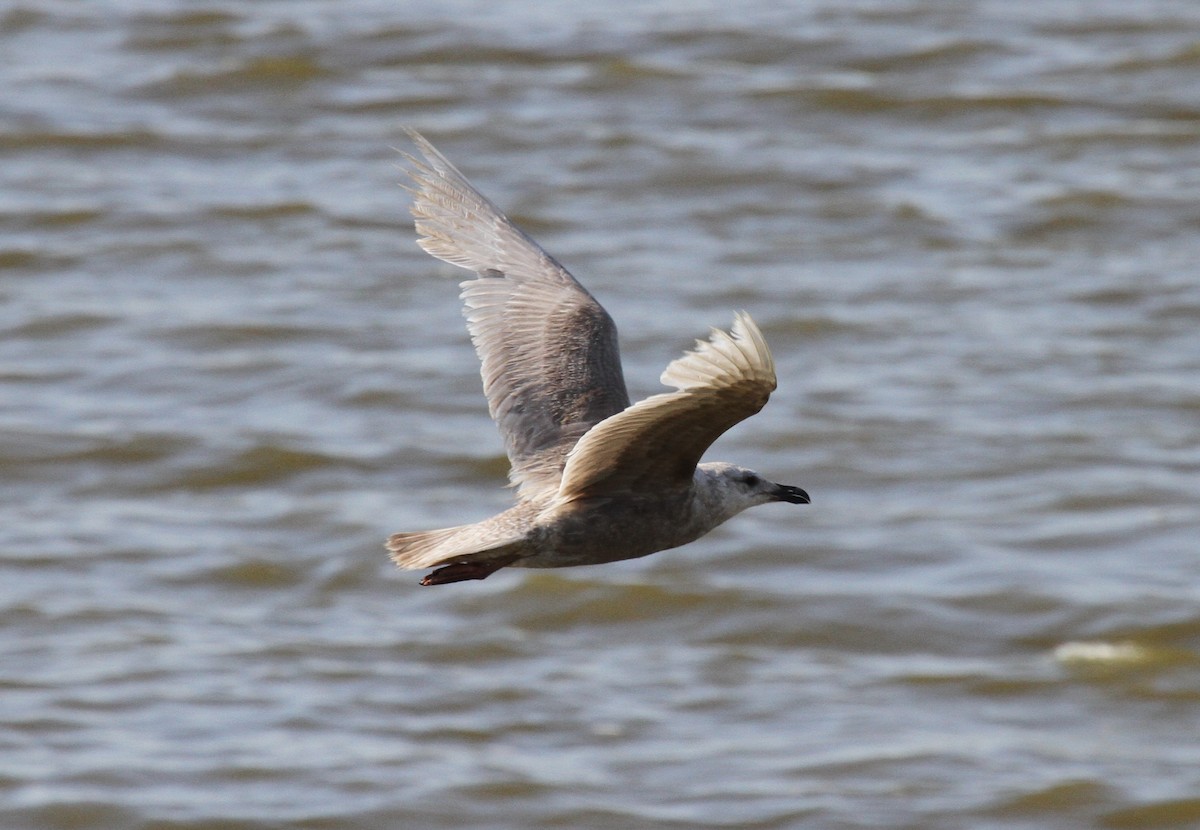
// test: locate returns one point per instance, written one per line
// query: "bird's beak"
(792, 495)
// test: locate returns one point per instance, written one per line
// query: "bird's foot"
(463, 571)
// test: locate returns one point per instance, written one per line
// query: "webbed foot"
(463, 571)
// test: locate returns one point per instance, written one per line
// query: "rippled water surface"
(969, 231)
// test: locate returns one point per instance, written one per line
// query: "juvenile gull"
(598, 479)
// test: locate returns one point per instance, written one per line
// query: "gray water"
(969, 231)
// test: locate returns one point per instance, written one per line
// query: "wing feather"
(551, 367)
(657, 442)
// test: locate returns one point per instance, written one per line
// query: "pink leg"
(462, 571)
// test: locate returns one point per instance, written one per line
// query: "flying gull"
(598, 480)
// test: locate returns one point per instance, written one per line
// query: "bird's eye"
(751, 480)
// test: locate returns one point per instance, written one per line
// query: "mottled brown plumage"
(598, 480)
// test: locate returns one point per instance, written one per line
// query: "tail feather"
(422, 549)
(466, 543)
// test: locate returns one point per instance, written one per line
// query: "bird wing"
(550, 364)
(657, 442)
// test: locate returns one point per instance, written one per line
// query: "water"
(969, 231)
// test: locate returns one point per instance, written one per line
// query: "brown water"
(970, 232)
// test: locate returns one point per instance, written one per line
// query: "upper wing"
(657, 443)
(551, 369)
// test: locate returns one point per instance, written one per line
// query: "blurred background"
(969, 231)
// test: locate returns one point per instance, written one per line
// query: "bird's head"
(739, 488)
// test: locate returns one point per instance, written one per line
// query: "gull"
(597, 479)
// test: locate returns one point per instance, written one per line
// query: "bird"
(597, 479)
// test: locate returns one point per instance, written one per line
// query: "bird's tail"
(465, 543)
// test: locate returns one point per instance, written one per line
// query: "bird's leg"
(462, 571)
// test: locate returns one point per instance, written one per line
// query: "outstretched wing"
(551, 368)
(657, 443)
